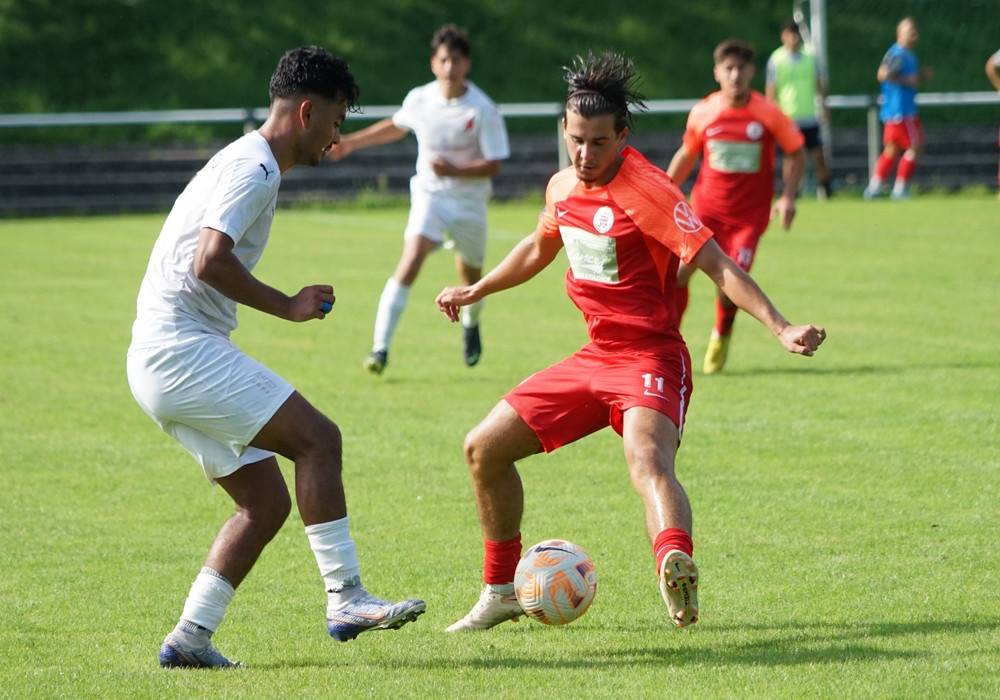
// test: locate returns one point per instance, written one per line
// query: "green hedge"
(84, 55)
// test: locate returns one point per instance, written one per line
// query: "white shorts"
(461, 216)
(210, 396)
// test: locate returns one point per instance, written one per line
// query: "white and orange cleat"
(679, 587)
(492, 609)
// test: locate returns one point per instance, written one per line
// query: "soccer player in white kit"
(461, 141)
(229, 411)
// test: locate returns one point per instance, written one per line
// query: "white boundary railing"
(250, 118)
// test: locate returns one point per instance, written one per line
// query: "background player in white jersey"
(993, 73)
(461, 141)
(228, 410)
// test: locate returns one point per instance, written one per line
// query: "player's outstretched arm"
(524, 261)
(744, 292)
(476, 168)
(377, 134)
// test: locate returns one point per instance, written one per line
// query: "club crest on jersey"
(469, 125)
(685, 218)
(754, 131)
(604, 219)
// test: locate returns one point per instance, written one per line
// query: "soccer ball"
(555, 582)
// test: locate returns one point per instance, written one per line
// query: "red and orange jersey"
(624, 241)
(736, 181)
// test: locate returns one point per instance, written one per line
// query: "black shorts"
(813, 139)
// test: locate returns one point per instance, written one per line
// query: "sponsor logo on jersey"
(734, 156)
(592, 257)
(266, 171)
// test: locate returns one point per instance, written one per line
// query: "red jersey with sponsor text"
(736, 181)
(624, 241)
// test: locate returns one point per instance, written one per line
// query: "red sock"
(669, 539)
(724, 317)
(907, 166)
(682, 300)
(884, 165)
(501, 560)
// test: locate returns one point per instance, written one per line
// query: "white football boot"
(679, 587)
(491, 609)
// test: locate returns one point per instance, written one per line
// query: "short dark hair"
(312, 70)
(790, 25)
(605, 84)
(733, 48)
(454, 37)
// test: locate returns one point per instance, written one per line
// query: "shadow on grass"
(814, 369)
(431, 379)
(774, 646)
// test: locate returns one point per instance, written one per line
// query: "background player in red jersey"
(625, 227)
(736, 129)
(899, 77)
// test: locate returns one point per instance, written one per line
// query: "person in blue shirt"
(899, 76)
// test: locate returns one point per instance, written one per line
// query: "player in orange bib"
(625, 228)
(734, 132)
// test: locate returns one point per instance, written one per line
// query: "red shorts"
(592, 388)
(905, 133)
(738, 242)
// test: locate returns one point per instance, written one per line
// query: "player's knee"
(472, 449)
(321, 442)
(478, 454)
(329, 439)
(650, 460)
(268, 512)
(280, 510)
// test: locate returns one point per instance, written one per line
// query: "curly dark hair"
(605, 84)
(312, 70)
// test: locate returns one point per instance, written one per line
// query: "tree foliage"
(107, 55)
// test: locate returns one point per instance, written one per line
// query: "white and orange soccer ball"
(555, 582)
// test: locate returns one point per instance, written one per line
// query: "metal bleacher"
(102, 179)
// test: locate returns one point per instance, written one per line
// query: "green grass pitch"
(845, 505)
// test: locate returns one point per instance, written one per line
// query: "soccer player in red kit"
(734, 132)
(625, 227)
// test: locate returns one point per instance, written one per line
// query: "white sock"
(899, 187)
(190, 635)
(501, 588)
(470, 314)
(207, 601)
(337, 558)
(390, 307)
(875, 184)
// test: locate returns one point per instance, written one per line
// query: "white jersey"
(459, 130)
(234, 193)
